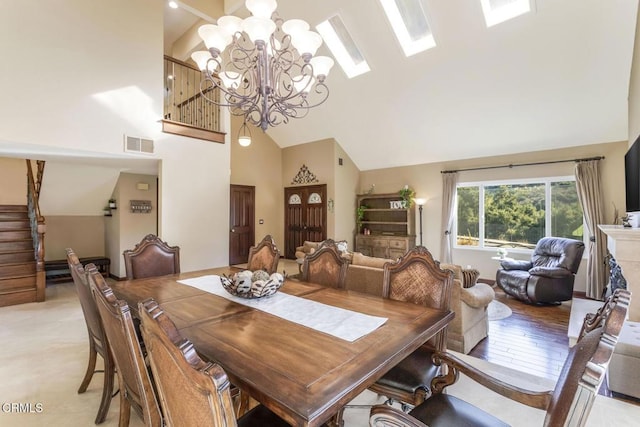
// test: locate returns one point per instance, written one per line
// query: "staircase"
(18, 278)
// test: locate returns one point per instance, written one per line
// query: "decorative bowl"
(252, 284)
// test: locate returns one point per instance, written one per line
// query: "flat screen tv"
(632, 176)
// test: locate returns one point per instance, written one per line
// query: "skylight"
(342, 46)
(497, 11)
(409, 22)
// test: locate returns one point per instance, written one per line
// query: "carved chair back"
(418, 278)
(586, 365)
(325, 266)
(191, 391)
(569, 404)
(98, 343)
(87, 303)
(151, 258)
(135, 384)
(264, 256)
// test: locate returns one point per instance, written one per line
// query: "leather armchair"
(548, 278)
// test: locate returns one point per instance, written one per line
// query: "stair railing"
(38, 226)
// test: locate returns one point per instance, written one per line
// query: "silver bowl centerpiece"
(252, 284)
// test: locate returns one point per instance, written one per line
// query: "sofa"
(548, 277)
(469, 300)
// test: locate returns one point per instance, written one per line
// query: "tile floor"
(43, 356)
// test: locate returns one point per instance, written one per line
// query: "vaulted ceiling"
(555, 77)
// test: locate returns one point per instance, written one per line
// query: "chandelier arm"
(266, 81)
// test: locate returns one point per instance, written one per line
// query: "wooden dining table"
(303, 375)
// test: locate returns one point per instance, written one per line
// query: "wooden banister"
(38, 226)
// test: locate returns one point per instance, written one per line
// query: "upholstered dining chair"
(325, 266)
(415, 278)
(192, 392)
(136, 389)
(264, 256)
(98, 343)
(568, 404)
(151, 257)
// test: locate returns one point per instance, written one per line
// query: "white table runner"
(344, 324)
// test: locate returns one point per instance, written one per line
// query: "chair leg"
(107, 390)
(90, 367)
(338, 419)
(125, 410)
(242, 402)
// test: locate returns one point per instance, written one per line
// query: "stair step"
(13, 234)
(17, 244)
(21, 269)
(4, 215)
(12, 224)
(14, 208)
(17, 297)
(12, 257)
(18, 284)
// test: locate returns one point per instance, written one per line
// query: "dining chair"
(192, 392)
(151, 257)
(417, 278)
(568, 404)
(136, 388)
(98, 343)
(264, 256)
(325, 266)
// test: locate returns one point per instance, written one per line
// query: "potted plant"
(360, 215)
(407, 195)
(112, 204)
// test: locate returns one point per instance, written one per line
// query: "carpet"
(498, 311)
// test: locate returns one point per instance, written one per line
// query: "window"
(341, 44)
(516, 214)
(409, 23)
(497, 11)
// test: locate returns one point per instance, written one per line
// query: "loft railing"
(186, 112)
(37, 224)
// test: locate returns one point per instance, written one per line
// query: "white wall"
(76, 189)
(634, 89)
(347, 184)
(13, 181)
(82, 74)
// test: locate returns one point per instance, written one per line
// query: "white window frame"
(547, 181)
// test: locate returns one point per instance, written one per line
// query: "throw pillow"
(469, 277)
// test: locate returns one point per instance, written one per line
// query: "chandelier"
(263, 68)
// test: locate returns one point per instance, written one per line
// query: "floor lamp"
(420, 203)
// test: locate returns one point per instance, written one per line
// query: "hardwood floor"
(533, 339)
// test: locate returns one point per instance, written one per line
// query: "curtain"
(449, 182)
(590, 196)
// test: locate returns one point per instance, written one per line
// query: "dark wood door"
(241, 223)
(305, 216)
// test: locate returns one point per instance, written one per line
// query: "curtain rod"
(525, 164)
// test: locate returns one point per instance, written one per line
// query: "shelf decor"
(140, 206)
(407, 194)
